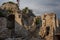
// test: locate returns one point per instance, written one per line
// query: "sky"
(39, 7)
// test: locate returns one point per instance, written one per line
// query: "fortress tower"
(49, 25)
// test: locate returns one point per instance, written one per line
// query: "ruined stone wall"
(3, 22)
(4, 32)
(30, 31)
(48, 26)
(18, 18)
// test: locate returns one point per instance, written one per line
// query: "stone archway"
(11, 17)
(11, 21)
(11, 24)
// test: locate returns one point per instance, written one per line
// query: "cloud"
(39, 6)
(2, 1)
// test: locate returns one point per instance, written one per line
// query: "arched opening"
(11, 17)
(47, 30)
(11, 24)
(11, 21)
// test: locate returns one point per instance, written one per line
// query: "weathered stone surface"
(26, 28)
(4, 31)
(48, 26)
(13, 39)
(33, 38)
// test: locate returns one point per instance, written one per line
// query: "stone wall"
(47, 29)
(48, 26)
(4, 31)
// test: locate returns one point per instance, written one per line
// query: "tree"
(25, 10)
(1, 13)
(28, 12)
(9, 11)
(38, 21)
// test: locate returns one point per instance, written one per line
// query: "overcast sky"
(39, 6)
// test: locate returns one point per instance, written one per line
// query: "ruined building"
(49, 25)
(19, 26)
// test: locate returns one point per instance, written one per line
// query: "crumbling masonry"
(19, 25)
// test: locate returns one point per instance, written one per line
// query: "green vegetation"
(38, 21)
(3, 3)
(25, 10)
(10, 11)
(14, 4)
(11, 2)
(28, 11)
(1, 13)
